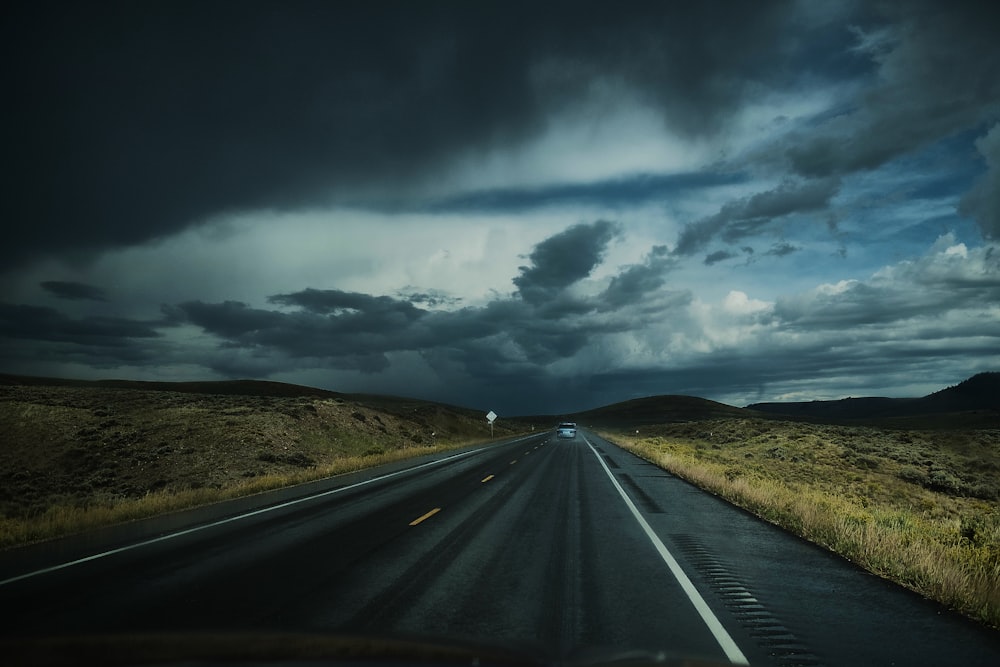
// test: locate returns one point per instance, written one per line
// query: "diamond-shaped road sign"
(491, 416)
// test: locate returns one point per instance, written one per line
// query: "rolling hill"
(658, 410)
(980, 393)
(72, 443)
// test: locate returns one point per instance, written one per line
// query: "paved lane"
(546, 551)
(569, 544)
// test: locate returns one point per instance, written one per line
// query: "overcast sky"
(529, 207)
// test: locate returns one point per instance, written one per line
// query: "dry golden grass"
(62, 519)
(78, 457)
(918, 508)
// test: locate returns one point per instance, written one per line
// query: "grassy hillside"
(76, 454)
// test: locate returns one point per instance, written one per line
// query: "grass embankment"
(65, 519)
(915, 507)
(75, 458)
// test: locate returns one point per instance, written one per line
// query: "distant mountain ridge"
(980, 392)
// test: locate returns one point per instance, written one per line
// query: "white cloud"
(957, 251)
(839, 287)
(949, 272)
(738, 303)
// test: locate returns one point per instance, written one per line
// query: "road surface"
(566, 544)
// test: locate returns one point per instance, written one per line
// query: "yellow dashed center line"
(487, 478)
(513, 462)
(425, 516)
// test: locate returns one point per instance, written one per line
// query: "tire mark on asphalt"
(650, 505)
(562, 595)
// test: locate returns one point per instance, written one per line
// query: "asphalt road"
(560, 543)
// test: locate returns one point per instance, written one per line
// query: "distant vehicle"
(566, 430)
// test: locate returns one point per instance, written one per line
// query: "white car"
(566, 430)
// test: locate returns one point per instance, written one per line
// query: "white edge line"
(238, 517)
(732, 651)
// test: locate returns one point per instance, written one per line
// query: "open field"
(919, 507)
(81, 455)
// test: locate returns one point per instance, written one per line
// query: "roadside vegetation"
(68, 518)
(78, 457)
(917, 507)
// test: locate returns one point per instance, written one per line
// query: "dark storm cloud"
(938, 75)
(74, 290)
(741, 218)
(982, 202)
(360, 339)
(789, 197)
(364, 310)
(20, 321)
(486, 354)
(563, 259)
(861, 304)
(637, 281)
(351, 330)
(718, 256)
(631, 191)
(230, 319)
(125, 122)
(781, 250)
(430, 298)
(341, 340)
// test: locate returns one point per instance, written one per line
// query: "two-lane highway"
(564, 543)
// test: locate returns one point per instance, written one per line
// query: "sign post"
(491, 417)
